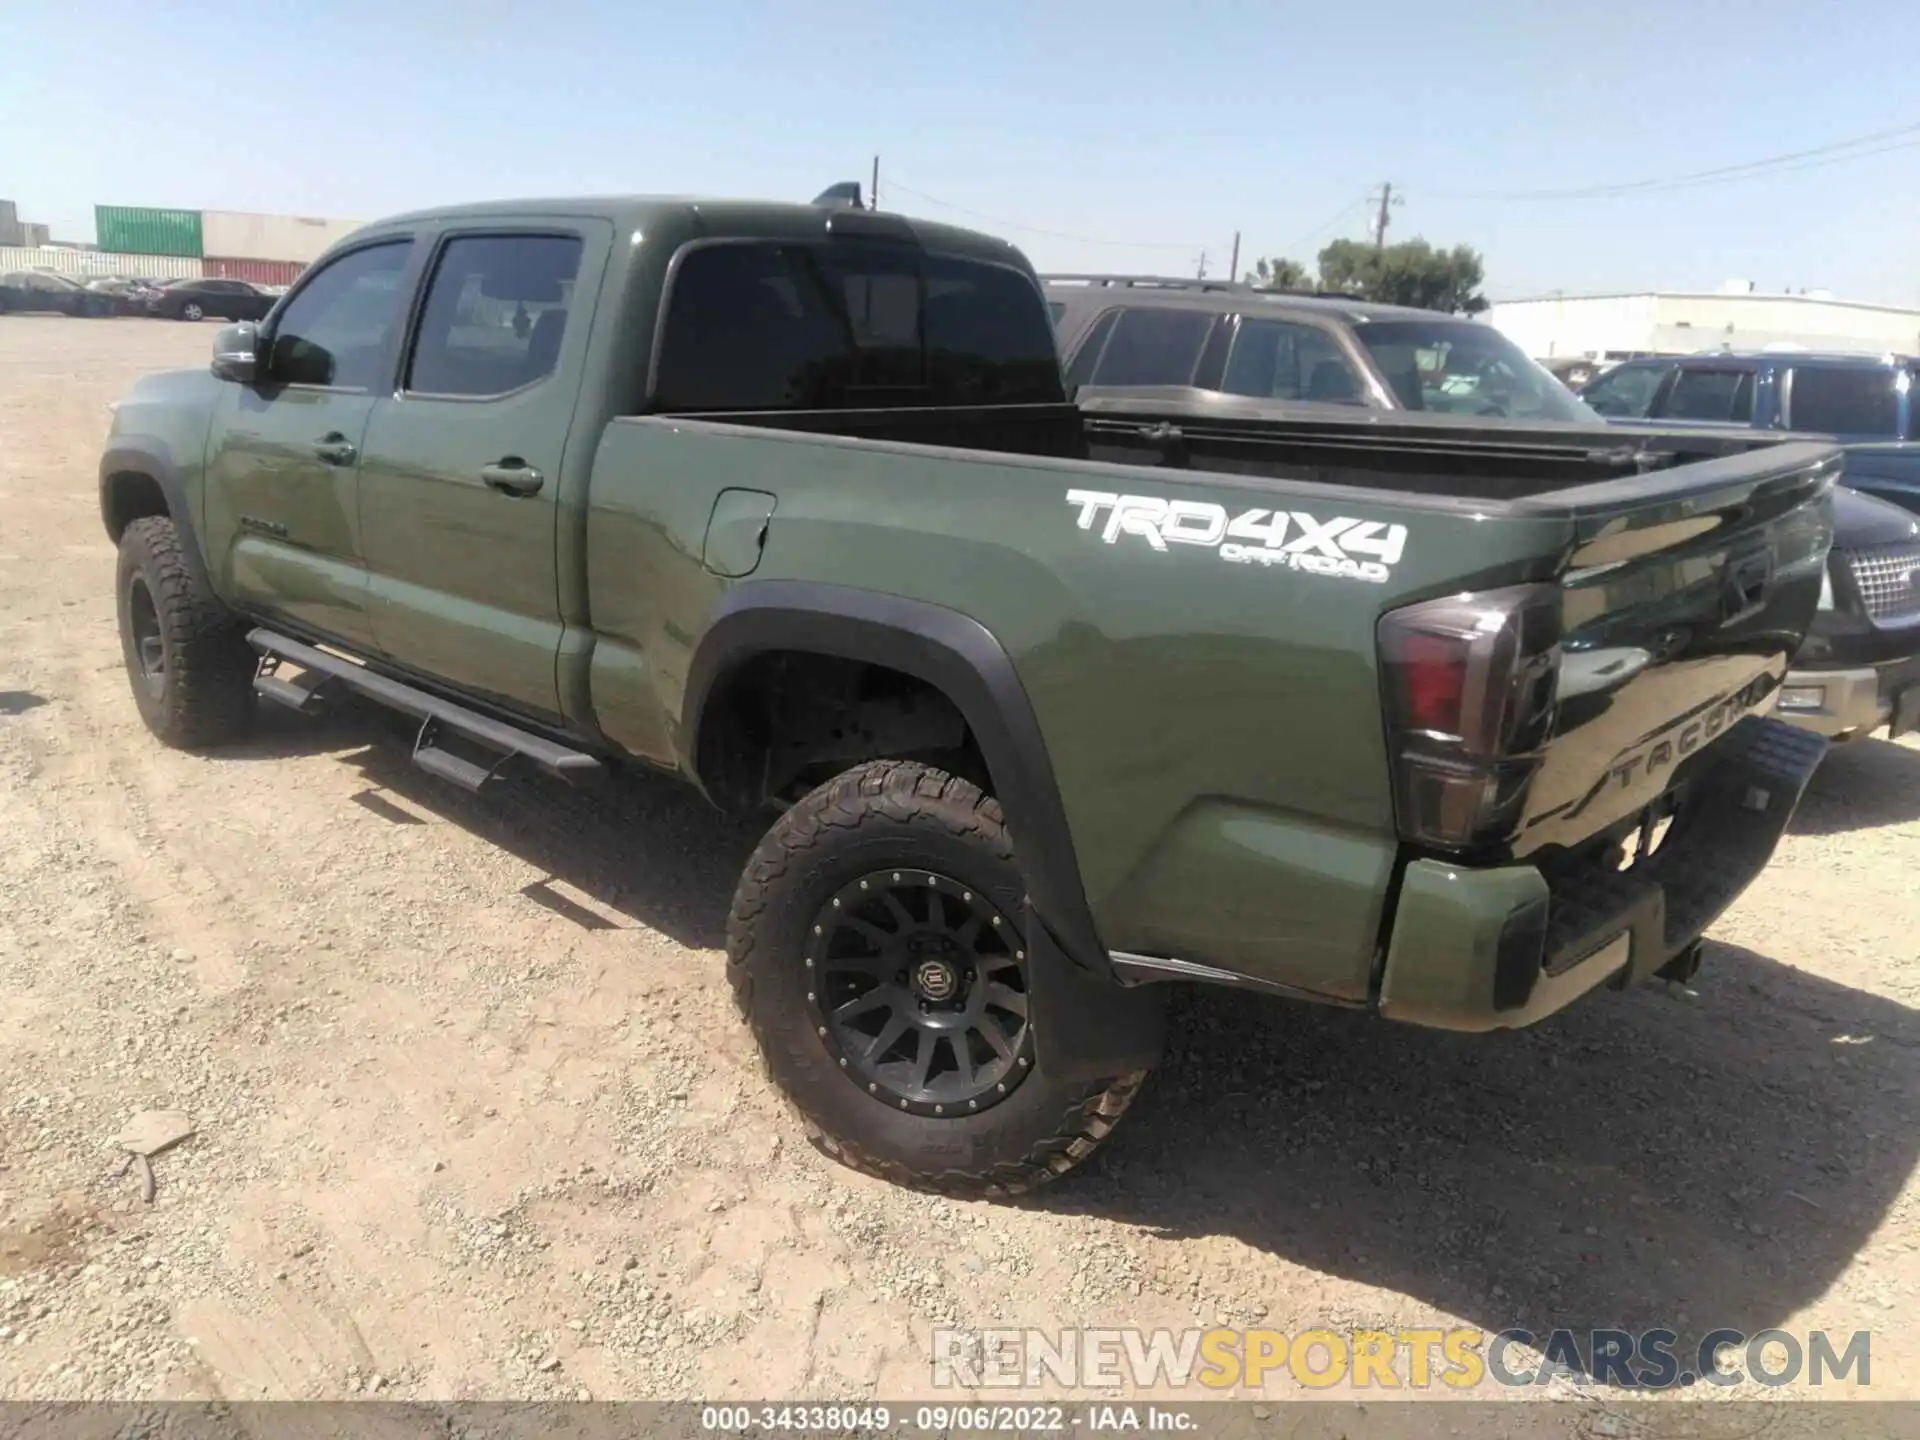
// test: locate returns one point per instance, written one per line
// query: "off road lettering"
(1343, 548)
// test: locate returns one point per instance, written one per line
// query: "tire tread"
(906, 792)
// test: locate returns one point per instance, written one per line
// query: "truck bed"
(1437, 457)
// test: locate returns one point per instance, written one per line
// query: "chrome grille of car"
(1888, 578)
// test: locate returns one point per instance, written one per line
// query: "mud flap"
(1088, 1026)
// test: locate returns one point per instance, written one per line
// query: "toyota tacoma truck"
(1054, 705)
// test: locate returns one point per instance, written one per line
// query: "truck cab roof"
(720, 216)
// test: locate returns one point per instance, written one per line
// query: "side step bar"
(324, 671)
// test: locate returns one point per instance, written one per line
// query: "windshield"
(1459, 367)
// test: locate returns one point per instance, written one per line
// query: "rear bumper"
(1502, 948)
(1846, 704)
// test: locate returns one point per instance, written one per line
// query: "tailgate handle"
(1744, 590)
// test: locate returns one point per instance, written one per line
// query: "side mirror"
(236, 353)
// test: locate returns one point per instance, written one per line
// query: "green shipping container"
(136, 230)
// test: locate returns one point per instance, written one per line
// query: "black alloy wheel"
(919, 986)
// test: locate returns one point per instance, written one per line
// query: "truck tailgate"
(1685, 596)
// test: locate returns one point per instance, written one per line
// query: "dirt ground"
(475, 1117)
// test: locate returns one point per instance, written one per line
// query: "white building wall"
(237, 235)
(1679, 324)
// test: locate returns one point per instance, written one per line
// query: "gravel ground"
(475, 1118)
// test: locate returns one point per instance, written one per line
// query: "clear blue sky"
(1103, 122)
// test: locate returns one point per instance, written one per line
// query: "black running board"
(437, 717)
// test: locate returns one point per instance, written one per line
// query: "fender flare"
(955, 654)
(151, 458)
(1088, 1024)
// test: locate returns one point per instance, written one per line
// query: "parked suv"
(1314, 349)
(1865, 401)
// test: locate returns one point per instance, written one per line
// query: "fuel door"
(737, 532)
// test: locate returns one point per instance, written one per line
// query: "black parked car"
(128, 295)
(44, 291)
(197, 299)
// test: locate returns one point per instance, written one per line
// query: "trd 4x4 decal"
(1343, 547)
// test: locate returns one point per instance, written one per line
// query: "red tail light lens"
(1469, 688)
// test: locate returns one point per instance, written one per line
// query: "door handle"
(518, 478)
(335, 449)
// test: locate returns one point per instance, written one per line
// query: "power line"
(1815, 157)
(1326, 224)
(1187, 245)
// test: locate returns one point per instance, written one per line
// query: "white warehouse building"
(1615, 327)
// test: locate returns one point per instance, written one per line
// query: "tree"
(1279, 274)
(1410, 273)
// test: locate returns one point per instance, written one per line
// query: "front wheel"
(187, 657)
(191, 311)
(875, 946)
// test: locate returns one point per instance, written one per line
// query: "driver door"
(283, 456)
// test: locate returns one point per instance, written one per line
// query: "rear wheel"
(187, 656)
(875, 947)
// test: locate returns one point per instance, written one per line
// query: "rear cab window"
(755, 326)
(1845, 400)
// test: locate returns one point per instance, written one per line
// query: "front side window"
(1153, 346)
(1711, 395)
(1280, 360)
(496, 313)
(334, 332)
(1459, 367)
(1625, 393)
(849, 326)
(1844, 400)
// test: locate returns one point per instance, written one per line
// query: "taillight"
(1469, 687)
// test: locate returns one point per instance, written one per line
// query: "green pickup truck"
(1054, 704)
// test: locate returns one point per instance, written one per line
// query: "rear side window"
(1845, 402)
(496, 313)
(850, 326)
(1277, 360)
(1081, 370)
(1153, 347)
(1711, 395)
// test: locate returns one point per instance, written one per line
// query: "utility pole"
(1387, 198)
(1233, 270)
(1202, 273)
(873, 191)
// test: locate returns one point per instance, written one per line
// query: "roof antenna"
(844, 196)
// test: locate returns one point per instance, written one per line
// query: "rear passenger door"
(462, 473)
